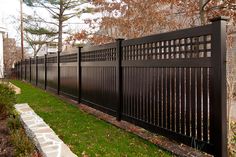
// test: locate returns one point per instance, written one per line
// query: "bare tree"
(36, 33)
(61, 11)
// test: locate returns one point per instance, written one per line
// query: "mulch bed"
(6, 148)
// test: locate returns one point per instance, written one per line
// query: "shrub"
(22, 144)
(7, 100)
(23, 147)
(14, 121)
(232, 142)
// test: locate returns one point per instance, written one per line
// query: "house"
(69, 49)
(231, 59)
(48, 48)
(12, 54)
(2, 31)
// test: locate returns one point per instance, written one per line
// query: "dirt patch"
(6, 148)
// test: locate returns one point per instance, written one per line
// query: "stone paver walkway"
(45, 139)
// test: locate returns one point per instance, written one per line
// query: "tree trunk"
(202, 13)
(21, 30)
(60, 27)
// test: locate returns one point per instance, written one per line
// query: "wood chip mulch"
(6, 148)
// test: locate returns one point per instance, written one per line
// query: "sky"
(10, 9)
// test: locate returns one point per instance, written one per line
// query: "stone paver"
(15, 88)
(45, 139)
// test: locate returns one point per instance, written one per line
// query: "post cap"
(119, 39)
(220, 18)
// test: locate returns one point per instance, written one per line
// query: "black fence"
(173, 84)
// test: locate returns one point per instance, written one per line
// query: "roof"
(2, 29)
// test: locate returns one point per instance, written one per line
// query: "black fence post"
(30, 69)
(45, 71)
(36, 66)
(58, 73)
(21, 69)
(25, 68)
(16, 70)
(79, 73)
(119, 78)
(218, 114)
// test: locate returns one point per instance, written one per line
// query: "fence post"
(15, 67)
(119, 79)
(36, 66)
(25, 68)
(17, 70)
(58, 73)
(21, 69)
(79, 73)
(218, 108)
(45, 71)
(30, 69)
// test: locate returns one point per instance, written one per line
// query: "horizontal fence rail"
(172, 84)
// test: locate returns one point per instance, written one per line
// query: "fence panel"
(166, 84)
(68, 74)
(41, 73)
(27, 70)
(98, 76)
(23, 69)
(17, 70)
(52, 73)
(172, 84)
(33, 71)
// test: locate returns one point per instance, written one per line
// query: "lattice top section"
(33, 61)
(26, 61)
(52, 59)
(40, 60)
(182, 48)
(99, 55)
(68, 58)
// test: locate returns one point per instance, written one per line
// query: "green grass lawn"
(84, 133)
